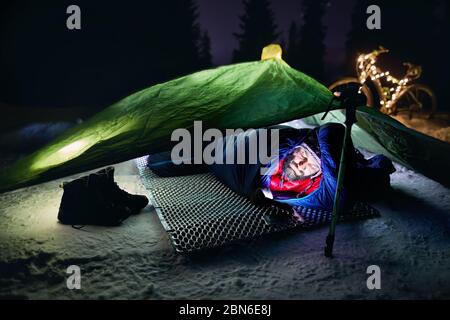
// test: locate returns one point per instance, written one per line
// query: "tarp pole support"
(349, 100)
(337, 196)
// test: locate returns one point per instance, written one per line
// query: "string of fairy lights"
(368, 69)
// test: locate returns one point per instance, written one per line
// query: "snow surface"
(410, 242)
(437, 127)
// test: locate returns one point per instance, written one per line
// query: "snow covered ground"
(437, 127)
(410, 242)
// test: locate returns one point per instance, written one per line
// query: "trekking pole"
(349, 102)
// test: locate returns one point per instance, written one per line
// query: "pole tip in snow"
(329, 246)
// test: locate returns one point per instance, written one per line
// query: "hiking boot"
(99, 185)
(84, 202)
(133, 201)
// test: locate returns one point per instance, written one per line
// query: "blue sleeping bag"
(362, 175)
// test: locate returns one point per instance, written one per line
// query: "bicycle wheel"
(347, 83)
(418, 99)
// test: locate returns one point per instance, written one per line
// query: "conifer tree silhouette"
(292, 45)
(179, 38)
(258, 29)
(205, 58)
(310, 51)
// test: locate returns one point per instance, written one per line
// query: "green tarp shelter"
(246, 95)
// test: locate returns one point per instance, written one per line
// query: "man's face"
(300, 156)
(294, 170)
(300, 166)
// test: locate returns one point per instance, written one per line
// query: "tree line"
(416, 31)
(164, 40)
(411, 29)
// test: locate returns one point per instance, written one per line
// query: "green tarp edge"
(246, 95)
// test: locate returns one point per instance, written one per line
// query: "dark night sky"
(44, 64)
(221, 19)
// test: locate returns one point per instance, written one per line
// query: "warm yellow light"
(72, 148)
(272, 51)
(66, 153)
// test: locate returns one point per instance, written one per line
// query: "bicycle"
(387, 93)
